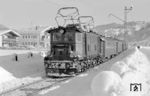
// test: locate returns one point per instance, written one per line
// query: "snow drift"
(133, 69)
(106, 83)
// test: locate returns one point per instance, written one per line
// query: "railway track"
(34, 87)
(37, 86)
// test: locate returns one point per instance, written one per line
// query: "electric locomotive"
(76, 48)
(69, 46)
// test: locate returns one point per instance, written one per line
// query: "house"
(8, 37)
(45, 38)
(30, 37)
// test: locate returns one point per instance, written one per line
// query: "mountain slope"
(136, 31)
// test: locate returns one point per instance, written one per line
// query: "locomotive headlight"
(61, 31)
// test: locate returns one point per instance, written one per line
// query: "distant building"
(8, 37)
(45, 38)
(31, 37)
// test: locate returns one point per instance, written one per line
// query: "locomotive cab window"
(57, 36)
(68, 36)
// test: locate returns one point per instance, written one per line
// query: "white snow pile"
(120, 79)
(24, 71)
(105, 84)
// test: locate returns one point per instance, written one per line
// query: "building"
(8, 37)
(45, 38)
(31, 37)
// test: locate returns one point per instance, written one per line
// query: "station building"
(8, 37)
(33, 37)
(29, 37)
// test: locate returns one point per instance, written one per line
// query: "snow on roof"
(46, 29)
(4, 30)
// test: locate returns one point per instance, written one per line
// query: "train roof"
(68, 27)
(76, 27)
(80, 30)
(110, 38)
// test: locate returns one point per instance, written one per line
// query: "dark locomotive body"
(73, 50)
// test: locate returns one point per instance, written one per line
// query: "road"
(81, 85)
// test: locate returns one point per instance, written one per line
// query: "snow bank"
(106, 83)
(4, 52)
(15, 73)
(133, 69)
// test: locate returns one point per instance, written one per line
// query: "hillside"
(138, 31)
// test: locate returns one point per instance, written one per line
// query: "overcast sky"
(25, 13)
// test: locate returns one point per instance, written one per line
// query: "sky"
(26, 13)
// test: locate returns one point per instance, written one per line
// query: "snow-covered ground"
(117, 80)
(4, 52)
(15, 73)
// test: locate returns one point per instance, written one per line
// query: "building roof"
(5, 30)
(44, 31)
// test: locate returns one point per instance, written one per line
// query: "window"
(34, 43)
(68, 37)
(42, 38)
(57, 37)
(34, 36)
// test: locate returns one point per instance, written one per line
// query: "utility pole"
(126, 11)
(125, 20)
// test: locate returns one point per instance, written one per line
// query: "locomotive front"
(62, 57)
